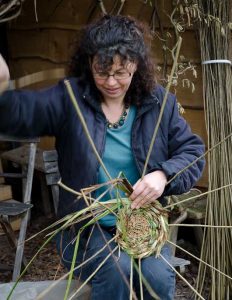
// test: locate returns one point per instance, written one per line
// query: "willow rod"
(163, 106)
(82, 120)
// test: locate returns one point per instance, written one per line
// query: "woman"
(115, 88)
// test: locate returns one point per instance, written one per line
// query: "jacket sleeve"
(32, 113)
(184, 147)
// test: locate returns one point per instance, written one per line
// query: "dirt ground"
(47, 265)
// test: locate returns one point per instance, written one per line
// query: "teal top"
(118, 157)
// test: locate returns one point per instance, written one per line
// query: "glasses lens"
(117, 75)
(101, 75)
(121, 75)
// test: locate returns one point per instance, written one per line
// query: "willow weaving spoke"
(178, 45)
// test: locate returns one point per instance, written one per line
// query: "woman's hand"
(148, 189)
(4, 75)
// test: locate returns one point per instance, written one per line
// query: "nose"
(111, 80)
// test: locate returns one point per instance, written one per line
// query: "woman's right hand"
(4, 75)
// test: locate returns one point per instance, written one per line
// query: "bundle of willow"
(142, 232)
(215, 38)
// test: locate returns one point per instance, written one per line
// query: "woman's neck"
(113, 110)
(113, 102)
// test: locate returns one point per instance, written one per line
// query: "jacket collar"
(151, 98)
(90, 97)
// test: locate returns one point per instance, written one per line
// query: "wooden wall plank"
(81, 12)
(57, 48)
(190, 49)
(25, 66)
(196, 120)
(203, 182)
(185, 95)
(53, 45)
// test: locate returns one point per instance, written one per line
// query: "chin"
(114, 96)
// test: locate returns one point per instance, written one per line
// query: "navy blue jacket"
(51, 112)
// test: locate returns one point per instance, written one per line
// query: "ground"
(47, 266)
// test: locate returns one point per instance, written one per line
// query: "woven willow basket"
(142, 232)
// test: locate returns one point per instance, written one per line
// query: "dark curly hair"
(110, 36)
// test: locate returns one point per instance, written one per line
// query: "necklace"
(121, 120)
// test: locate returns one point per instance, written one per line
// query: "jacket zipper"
(132, 148)
(100, 154)
(132, 141)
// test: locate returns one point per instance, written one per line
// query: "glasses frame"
(96, 76)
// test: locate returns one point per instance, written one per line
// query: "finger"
(148, 198)
(138, 189)
(136, 184)
(152, 199)
(142, 198)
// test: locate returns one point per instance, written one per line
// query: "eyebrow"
(102, 70)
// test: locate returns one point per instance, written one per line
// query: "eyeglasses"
(118, 75)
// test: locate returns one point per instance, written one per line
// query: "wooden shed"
(40, 39)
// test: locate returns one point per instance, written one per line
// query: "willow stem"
(162, 107)
(82, 120)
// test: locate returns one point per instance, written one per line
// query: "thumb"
(136, 184)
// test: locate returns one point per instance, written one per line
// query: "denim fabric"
(108, 283)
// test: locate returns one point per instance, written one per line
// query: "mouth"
(112, 91)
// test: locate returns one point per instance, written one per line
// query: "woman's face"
(114, 83)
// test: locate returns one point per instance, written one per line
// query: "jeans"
(108, 282)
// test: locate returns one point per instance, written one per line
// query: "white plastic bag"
(32, 290)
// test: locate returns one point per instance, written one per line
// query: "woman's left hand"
(148, 189)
